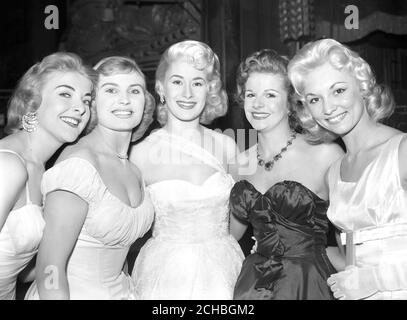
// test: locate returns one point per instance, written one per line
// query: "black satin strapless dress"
(290, 225)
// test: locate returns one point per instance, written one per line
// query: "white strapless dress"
(191, 254)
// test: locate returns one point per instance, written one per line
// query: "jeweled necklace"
(121, 156)
(270, 164)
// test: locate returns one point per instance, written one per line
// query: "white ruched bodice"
(111, 226)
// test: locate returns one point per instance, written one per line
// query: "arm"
(64, 214)
(237, 229)
(13, 178)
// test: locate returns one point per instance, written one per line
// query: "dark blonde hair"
(267, 61)
(120, 65)
(27, 95)
(201, 56)
(378, 98)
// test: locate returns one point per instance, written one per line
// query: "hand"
(354, 283)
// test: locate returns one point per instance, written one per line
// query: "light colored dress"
(374, 211)
(191, 254)
(111, 226)
(19, 240)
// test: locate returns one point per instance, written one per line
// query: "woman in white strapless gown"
(367, 186)
(53, 90)
(191, 254)
(96, 204)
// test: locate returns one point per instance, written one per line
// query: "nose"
(329, 106)
(258, 103)
(80, 107)
(124, 99)
(187, 93)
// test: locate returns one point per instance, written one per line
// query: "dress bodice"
(187, 212)
(288, 219)
(374, 210)
(290, 225)
(19, 240)
(111, 226)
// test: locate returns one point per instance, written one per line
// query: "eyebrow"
(336, 84)
(116, 85)
(65, 86)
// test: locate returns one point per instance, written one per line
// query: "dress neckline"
(367, 168)
(285, 183)
(107, 189)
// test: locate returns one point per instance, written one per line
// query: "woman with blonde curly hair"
(368, 185)
(191, 254)
(96, 204)
(49, 107)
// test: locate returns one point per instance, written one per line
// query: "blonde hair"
(27, 95)
(119, 65)
(378, 98)
(201, 56)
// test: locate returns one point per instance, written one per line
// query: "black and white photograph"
(214, 152)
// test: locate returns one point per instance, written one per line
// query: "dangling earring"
(29, 121)
(162, 99)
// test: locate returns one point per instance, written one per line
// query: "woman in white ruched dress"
(50, 92)
(191, 254)
(96, 204)
(368, 185)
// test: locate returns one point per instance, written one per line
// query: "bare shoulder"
(226, 143)
(242, 161)
(327, 153)
(78, 150)
(403, 160)
(12, 166)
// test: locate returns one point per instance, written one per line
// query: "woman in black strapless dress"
(282, 191)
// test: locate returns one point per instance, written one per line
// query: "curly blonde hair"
(27, 95)
(201, 56)
(119, 65)
(378, 99)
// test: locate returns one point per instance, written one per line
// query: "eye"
(339, 90)
(87, 102)
(270, 95)
(249, 95)
(198, 84)
(65, 94)
(313, 100)
(177, 82)
(111, 90)
(135, 91)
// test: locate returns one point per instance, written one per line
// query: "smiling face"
(64, 109)
(185, 89)
(265, 100)
(334, 99)
(120, 101)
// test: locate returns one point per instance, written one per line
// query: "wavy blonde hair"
(378, 99)
(201, 56)
(27, 95)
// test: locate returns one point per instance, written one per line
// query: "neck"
(362, 136)
(39, 145)
(186, 129)
(114, 142)
(272, 141)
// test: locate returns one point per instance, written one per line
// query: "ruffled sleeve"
(239, 203)
(75, 175)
